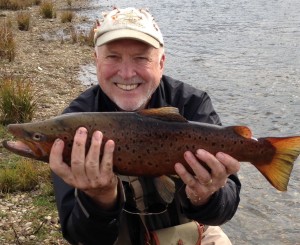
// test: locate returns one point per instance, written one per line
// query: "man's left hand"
(202, 184)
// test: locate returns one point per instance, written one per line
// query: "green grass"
(21, 175)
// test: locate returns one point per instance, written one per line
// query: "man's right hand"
(86, 173)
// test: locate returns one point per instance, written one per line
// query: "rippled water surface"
(246, 55)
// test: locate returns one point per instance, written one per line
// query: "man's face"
(129, 72)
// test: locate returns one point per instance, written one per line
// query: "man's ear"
(162, 61)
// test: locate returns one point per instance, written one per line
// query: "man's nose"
(126, 70)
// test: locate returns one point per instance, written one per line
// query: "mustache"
(133, 80)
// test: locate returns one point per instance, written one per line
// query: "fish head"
(32, 141)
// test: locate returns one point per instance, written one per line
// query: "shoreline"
(47, 57)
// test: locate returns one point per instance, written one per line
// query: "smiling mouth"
(127, 87)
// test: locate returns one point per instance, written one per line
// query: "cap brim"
(126, 33)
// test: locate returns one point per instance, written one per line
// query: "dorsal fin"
(163, 113)
(243, 131)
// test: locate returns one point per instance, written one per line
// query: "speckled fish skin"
(150, 142)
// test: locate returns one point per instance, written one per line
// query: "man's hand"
(86, 173)
(201, 185)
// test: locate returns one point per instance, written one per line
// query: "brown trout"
(150, 142)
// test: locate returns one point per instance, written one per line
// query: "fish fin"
(163, 113)
(243, 131)
(278, 171)
(165, 187)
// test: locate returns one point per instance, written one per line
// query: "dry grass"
(7, 42)
(17, 103)
(69, 2)
(23, 19)
(67, 16)
(87, 38)
(17, 4)
(47, 9)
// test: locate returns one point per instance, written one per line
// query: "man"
(98, 207)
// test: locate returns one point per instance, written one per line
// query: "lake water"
(246, 55)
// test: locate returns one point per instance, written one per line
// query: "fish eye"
(37, 136)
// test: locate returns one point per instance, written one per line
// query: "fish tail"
(278, 170)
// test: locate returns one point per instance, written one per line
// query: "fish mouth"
(23, 148)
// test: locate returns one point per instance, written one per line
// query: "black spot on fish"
(119, 159)
(119, 148)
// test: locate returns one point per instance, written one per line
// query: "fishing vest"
(143, 212)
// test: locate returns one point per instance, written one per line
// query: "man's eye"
(112, 56)
(142, 58)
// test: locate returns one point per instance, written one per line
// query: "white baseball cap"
(130, 23)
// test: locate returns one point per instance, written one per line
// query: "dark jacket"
(82, 221)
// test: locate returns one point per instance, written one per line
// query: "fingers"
(92, 159)
(202, 174)
(107, 159)
(78, 157)
(86, 170)
(56, 162)
(231, 164)
(202, 182)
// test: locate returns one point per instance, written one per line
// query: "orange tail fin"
(279, 169)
